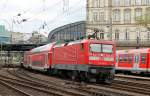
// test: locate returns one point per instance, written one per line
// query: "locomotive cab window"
(95, 48)
(107, 48)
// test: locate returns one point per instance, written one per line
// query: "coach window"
(143, 58)
(125, 57)
(48, 55)
(82, 47)
(120, 58)
(116, 59)
(130, 58)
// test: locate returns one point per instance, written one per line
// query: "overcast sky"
(52, 12)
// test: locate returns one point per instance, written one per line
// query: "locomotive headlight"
(108, 59)
(93, 58)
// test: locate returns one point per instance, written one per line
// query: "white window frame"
(95, 16)
(116, 15)
(127, 15)
(116, 2)
(138, 13)
(147, 2)
(101, 16)
(127, 2)
(96, 3)
(138, 2)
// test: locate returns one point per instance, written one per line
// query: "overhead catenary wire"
(65, 13)
(41, 12)
(14, 20)
(48, 23)
(59, 15)
(19, 15)
(18, 18)
(52, 22)
(56, 4)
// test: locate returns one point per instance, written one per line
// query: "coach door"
(148, 62)
(117, 59)
(30, 61)
(46, 60)
(136, 61)
(49, 59)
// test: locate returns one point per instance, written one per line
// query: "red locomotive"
(91, 60)
(133, 61)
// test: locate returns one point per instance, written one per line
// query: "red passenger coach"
(91, 60)
(40, 57)
(133, 60)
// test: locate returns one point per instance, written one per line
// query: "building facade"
(17, 37)
(73, 31)
(37, 38)
(5, 36)
(116, 19)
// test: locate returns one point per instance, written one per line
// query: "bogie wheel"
(50, 71)
(74, 75)
(90, 78)
(108, 79)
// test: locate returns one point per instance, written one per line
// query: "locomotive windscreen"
(107, 48)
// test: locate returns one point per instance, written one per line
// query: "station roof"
(18, 47)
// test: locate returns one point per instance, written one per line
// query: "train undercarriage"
(93, 74)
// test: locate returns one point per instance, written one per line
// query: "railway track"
(130, 77)
(52, 88)
(126, 88)
(74, 86)
(16, 84)
(87, 89)
(79, 92)
(129, 88)
(20, 92)
(132, 84)
(118, 88)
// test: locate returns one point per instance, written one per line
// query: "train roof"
(83, 41)
(143, 50)
(98, 41)
(46, 47)
(61, 44)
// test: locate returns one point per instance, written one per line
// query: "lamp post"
(138, 38)
(110, 19)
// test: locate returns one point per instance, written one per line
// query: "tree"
(144, 20)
